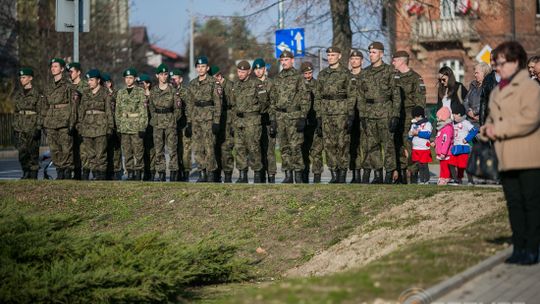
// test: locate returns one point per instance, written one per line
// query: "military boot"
(333, 179)
(85, 174)
(186, 176)
(403, 178)
(358, 174)
(288, 177)
(271, 178)
(130, 175)
(100, 175)
(317, 178)
(243, 177)
(228, 177)
(263, 176)
(203, 178)
(342, 176)
(174, 176)
(68, 173)
(365, 176)
(388, 177)
(298, 177)
(257, 177)
(32, 174)
(305, 176)
(59, 173)
(378, 176)
(25, 174)
(354, 178)
(212, 177)
(162, 176)
(137, 175)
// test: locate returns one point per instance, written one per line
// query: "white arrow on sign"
(298, 37)
(282, 47)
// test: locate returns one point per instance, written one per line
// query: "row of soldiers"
(357, 118)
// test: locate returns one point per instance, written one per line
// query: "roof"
(167, 53)
(139, 34)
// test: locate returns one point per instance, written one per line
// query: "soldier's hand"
(142, 134)
(72, 131)
(215, 128)
(318, 129)
(350, 124)
(272, 130)
(300, 125)
(37, 135)
(188, 131)
(393, 124)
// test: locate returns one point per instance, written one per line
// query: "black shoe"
(403, 177)
(271, 178)
(333, 179)
(378, 177)
(25, 174)
(32, 174)
(243, 177)
(342, 176)
(216, 176)
(529, 257)
(365, 176)
(357, 176)
(305, 176)
(162, 176)
(316, 178)
(202, 177)
(137, 175)
(85, 174)
(298, 177)
(388, 177)
(211, 178)
(257, 177)
(174, 176)
(263, 176)
(515, 258)
(288, 177)
(228, 177)
(186, 176)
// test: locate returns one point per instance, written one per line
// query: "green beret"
(94, 73)
(175, 72)
(162, 68)
(243, 65)
(58, 60)
(356, 53)
(213, 70)
(26, 72)
(259, 63)
(75, 65)
(333, 49)
(400, 54)
(144, 77)
(286, 54)
(201, 60)
(376, 45)
(306, 67)
(105, 77)
(130, 72)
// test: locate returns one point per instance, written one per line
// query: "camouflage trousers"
(77, 165)
(290, 143)
(61, 145)
(227, 146)
(114, 155)
(28, 149)
(336, 141)
(248, 147)
(312, 150)
(184, 151)
(94, 153)
(203, 143)
(268, 151)
(379, 145)
(133, 151)
(162, 138)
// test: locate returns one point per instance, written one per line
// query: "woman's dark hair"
(512, 51)
(451, 83)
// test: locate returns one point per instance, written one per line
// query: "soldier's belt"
(27, 112)
(377, 100)
(202, 104)
(131, 115)
(59, 106)
(288, 110)
(335, 97)
(164, 111)
(247, 114)
(95, 112)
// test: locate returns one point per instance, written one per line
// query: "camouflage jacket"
(95, 114)
(352, 94)
(204, 100)
(227, 118)
(289, 97)
(130, 112)
(264, 87)
(61, 103)
(412, 90)
(28, 107)
(246, 106)
(331, 96)
(378, 96)
(164, 107)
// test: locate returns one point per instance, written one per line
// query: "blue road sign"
(291, 40)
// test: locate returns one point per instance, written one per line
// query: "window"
(448, 9)
(456, 66)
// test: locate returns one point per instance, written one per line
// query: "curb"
(459, 279)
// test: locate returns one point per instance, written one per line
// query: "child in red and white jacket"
(464, 133)
(419, 135)
(443, 143)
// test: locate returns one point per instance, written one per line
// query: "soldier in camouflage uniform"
(95, 123)
(268, 140)
(131, 120)
(332, 107)
(60, 118)
(164, 104)
(225, 138)
(312, 149)
(413, 93)
(75, 74)
(289, 101)
(246, 108)
(28, 123)
(114, 147)
(184, 143)
(378, 105)
(357, 133)
(204, 114)
(148, 142)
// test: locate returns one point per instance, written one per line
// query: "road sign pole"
(281, 17)
(76, 31)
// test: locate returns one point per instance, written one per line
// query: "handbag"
(483, 161)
